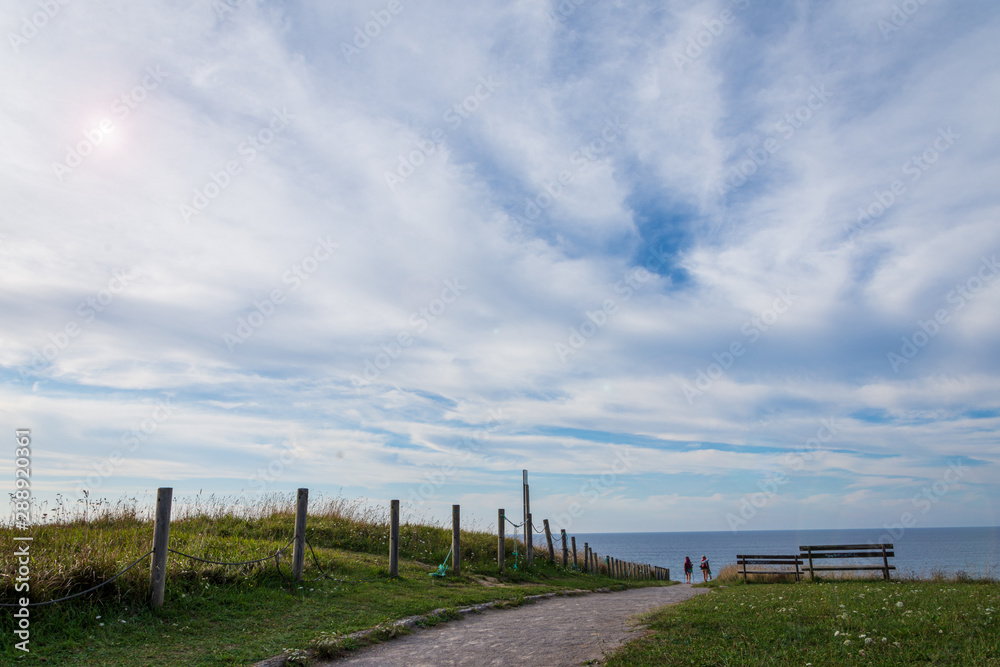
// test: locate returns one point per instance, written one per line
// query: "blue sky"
(695, 265)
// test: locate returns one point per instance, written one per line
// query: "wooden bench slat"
(817, 568)
(764, 561)
(883, 552)
(829, 547)
(768, 556)
(850, 554)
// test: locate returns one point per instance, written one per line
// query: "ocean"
(919, 551)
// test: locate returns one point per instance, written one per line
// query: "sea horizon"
(919, 552)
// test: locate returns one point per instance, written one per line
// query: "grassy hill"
(225, 615)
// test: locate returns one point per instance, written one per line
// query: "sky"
(695, 265)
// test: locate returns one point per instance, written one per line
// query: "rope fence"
(89, 590)
(298, 543)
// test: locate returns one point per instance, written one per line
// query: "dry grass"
(76, 546)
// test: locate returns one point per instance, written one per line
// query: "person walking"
(706, 569)
(688, 569)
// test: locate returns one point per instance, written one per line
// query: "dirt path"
(554, 632)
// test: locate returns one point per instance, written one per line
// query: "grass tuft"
(222, 615)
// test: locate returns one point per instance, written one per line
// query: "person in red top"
(706, 570)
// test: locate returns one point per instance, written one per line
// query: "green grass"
(217, 615)
(829, 623)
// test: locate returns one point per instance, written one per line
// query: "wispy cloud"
(588, 222)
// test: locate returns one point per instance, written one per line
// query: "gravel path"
(554, 632)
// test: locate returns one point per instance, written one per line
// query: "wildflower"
(847, 642)
(899, 604)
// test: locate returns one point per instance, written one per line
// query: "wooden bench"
(742, 561)
(841, 551)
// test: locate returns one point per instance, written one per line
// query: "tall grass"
(77, 546)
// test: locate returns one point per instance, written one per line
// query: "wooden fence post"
(394, 538)
(456, 539)
(161, 541)
(562, 533)
(299, 541)
(529, 531)
(573, 543)
(586, 557)
(529, 554)
(501, 545)
(548, 538)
